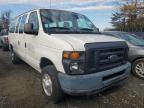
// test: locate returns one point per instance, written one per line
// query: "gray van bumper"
(93, 83)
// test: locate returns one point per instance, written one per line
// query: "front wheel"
(138, 68)
(50, 84)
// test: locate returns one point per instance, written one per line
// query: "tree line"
(129, 17)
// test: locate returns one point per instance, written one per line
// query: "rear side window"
(12, 26)
(21, 26)
(33, 19)
(18, 23)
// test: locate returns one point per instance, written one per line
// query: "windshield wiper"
(58, 28)
(86, 29)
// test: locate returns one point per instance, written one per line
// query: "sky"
(98, 11)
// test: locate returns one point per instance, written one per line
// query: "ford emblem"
(113, 58)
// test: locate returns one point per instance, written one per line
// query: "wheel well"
(137, 59)
(45, 62)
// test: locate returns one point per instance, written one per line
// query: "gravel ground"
(20, 87)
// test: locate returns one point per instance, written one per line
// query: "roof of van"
(41, 9)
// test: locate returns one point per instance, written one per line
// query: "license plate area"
(112, 76)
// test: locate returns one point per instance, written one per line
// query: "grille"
(103, 56)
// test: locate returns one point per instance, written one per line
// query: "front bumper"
(93, 83)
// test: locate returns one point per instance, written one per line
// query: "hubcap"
(47, 84)
(140, 69)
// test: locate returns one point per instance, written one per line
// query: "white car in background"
(4, 42)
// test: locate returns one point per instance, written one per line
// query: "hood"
(132, 46)
(136, 47)
(78, 41)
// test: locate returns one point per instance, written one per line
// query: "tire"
(14, 58)
(138, 68)
(50, 74)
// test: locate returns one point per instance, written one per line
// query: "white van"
(69, 52)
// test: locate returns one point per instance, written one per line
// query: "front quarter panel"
(135, 53)
(51, 48)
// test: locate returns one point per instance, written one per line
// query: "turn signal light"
(74, 55)
(71, 55)
(66, 55)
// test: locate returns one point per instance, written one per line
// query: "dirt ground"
(20, 87)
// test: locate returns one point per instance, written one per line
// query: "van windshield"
(58, 21)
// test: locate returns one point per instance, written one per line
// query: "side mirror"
(28, 29)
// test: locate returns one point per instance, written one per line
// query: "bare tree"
(130, 16)
(5, 19)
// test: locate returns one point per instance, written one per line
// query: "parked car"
(69, 52)
(136, 50)
(140, 34)
(1, 34)
(4, 40)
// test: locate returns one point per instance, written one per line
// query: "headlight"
(74, 66)
(73, 62)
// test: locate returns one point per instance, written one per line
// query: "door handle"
(25, 44)
(18, 42)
